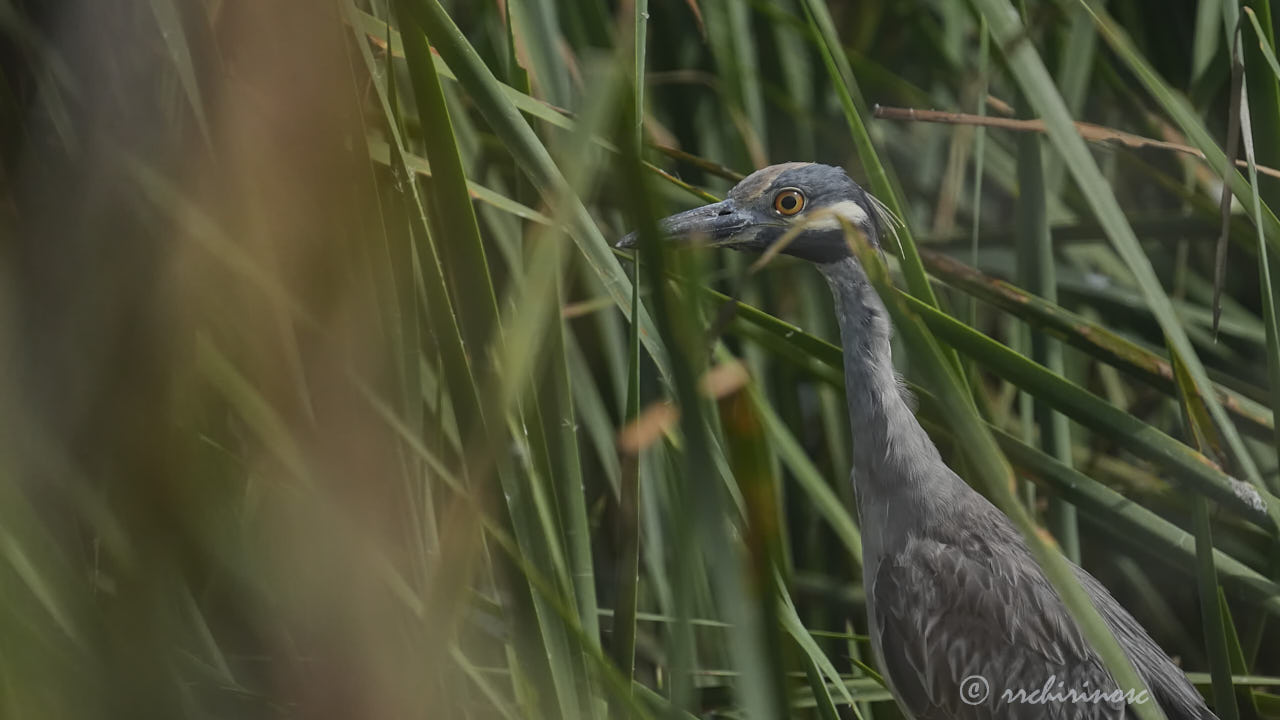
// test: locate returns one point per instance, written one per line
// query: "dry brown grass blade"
(660, 417)
(697, 15)
(1089, 131)
(999, 106)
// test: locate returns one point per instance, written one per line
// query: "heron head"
(807, 200)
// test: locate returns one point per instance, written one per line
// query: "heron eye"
(788, 202)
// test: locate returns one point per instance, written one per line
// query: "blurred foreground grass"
(321, 395)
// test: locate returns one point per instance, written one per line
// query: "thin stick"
(1089, 131)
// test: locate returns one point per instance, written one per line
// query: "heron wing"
(1169, 684)
(955, 616)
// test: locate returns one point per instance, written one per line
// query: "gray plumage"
(953, 593)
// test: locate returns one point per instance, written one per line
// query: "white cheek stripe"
(828, 218)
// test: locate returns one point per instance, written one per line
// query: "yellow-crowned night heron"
(958, 610)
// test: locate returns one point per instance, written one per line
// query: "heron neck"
(892, 454)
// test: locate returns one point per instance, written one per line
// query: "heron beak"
(715, 224)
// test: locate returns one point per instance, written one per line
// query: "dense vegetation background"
(321, 395)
